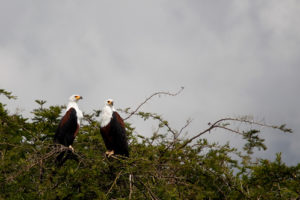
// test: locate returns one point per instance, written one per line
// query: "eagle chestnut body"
(112, 129)
(68, 127)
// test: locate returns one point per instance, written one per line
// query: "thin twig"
(229, 129)
(119, 157)
(157, 117)
(217, 125)
(114, 183)
(130, 185)
(152, 195)
(205, 131)
(188, 122)
(8, 144)
(148, 98)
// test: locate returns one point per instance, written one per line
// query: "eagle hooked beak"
(110, 103)
(78, 97)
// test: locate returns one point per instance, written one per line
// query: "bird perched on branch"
(69, 125)
(112, 129)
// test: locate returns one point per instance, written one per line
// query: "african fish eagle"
(112, 129)
(69, 125)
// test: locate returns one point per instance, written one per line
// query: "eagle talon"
(109, 153)
(70, 147)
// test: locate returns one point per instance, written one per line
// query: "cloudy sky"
(233, 57)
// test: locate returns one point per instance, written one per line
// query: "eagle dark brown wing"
(67, 128)
(114, 135)
(119, 135)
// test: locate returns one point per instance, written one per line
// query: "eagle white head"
(109, 102)
(75, 98)
(73, 104)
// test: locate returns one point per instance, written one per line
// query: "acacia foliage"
(163, 166)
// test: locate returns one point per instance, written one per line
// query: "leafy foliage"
(163, 166)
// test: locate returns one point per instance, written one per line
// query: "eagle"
(112, 129)
(69, 125)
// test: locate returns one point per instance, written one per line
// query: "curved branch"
(205, 131)
(188, 122)
(148, 98)
(242, 120)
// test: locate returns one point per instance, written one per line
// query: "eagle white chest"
(78, 112)
(105, 116)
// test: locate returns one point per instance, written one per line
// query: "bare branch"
(176, 136)
(8, 144)
(114, 183)
(148, 98)
(242, 120)
(188, 122)
(205, 131)
(130, 185)
(118, 157)
(229, 129)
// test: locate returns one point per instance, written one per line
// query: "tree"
(166, 165)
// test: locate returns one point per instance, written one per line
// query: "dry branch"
(130, 185)
(218, 124)
(148, 98)
(114, 183)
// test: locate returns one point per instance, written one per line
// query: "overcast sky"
(234, 58)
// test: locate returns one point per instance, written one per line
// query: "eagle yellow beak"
(78, 97)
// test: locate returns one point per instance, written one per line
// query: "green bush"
(163, 166)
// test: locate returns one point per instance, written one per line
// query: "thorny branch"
(148, 98)
(218, 124)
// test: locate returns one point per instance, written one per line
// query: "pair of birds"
(112, 127)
